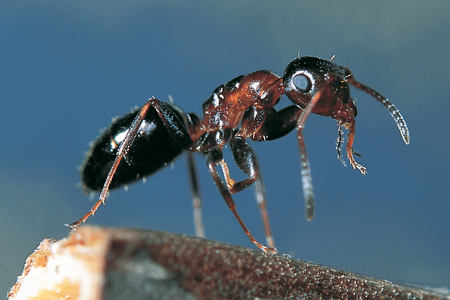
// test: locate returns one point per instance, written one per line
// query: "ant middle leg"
(214, 158)
(246, 160)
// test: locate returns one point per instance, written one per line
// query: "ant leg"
(246, 160)
(195, 192)
(351, 137)
(261, 200)
(276, 123)
(121, 152)
(307, 185)
(175, 127)
(214, 158)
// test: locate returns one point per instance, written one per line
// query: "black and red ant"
(152, 137)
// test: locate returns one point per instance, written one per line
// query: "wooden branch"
(108, 263)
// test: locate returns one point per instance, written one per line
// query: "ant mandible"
(239, 109)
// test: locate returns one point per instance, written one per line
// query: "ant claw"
(73, 226)
(269, 250)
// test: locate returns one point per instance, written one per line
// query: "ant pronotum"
(239, 109)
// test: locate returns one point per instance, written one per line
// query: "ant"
(239, 109)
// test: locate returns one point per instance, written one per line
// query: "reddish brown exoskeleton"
(152, 137)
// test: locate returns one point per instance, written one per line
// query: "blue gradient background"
(68, 67)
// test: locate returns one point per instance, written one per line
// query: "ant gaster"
(239, 109)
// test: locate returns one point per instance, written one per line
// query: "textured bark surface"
(142, 264)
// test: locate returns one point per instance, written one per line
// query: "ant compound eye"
(301, 82)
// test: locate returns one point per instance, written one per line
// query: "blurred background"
(68, 67)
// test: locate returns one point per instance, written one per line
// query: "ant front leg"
(276, 125)
(304, 162)
(214, 158)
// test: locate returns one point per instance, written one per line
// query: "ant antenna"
(395, 114)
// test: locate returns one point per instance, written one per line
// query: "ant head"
(305, 76)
